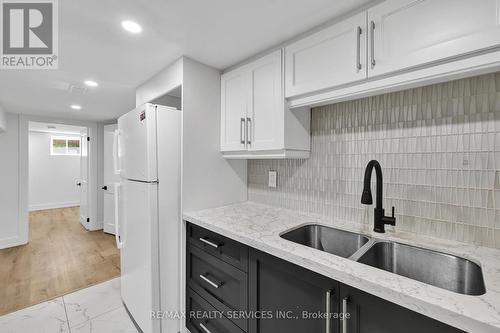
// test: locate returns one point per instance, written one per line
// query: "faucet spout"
(380, 220)
(366, 198)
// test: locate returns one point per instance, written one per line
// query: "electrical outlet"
(273, 179)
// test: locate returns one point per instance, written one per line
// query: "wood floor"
(61, 257)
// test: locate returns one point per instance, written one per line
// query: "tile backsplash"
(439, 147)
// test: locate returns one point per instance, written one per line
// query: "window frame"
(66, 139)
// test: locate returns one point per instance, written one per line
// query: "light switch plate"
(273, 179)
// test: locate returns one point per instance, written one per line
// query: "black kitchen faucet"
(380, 220)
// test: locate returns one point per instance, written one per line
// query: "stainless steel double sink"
(439, 269)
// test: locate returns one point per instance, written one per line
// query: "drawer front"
(222, 285)
(222, 247)
(204, 318)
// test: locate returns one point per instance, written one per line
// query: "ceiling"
(55, 128)
(92, 45)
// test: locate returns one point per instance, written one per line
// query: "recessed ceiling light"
(91, 83)
(131, 27)
(76, 107)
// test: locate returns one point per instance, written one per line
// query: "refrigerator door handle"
(119, 243)
(116, 161)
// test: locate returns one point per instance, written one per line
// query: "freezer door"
(140, 285)
(137, 144)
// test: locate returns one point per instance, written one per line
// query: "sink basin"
(339, 242)
(438, 269)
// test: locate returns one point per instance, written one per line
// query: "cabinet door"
(289, 298)
(331, 57)
(266, 116)
(370, 314)
(234, 104)
(409, 33)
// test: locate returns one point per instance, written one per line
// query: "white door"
(266, 104)
(328, 58)
(170, 225)
(138, 229)
(137, 144)
(409, 33)
(234, 105)
(84, 179)
(110, 178)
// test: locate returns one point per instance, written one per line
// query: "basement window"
(64, 145)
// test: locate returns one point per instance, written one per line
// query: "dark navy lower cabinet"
(290, 298)
(371, 314)
(235, 288)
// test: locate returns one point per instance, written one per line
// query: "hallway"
(61, 257)
(97, 309)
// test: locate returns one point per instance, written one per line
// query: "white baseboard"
(95, 227)
(53, 205)
(11, 242)
(109, 228)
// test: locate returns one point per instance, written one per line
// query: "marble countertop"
(259, 226)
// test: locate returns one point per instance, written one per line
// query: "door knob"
(78, 184)
(105, 188)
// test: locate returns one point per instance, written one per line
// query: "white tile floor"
(97, 309)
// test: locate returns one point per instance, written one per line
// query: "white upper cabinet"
(234, 105)
(410, 33)
(255, 123)
(328, 58)
(266, 104)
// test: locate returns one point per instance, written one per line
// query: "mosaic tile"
(439, 147)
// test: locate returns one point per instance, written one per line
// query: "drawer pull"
(205, 328)
(242, 131)
(372, 45)
(358, 49)
(328, 310)
(210, 282)
(249, 130)
(344, 314)
(208, 242)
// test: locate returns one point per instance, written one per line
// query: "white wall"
(9, 184)
(52, 179)
(166, 80)
(205, 172)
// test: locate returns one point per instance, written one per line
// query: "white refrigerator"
(148, 160)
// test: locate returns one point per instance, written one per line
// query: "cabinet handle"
(249, 130)
(208, 242)
(372, 43)
(116, 150)
(328, 310)
(242, 126)
(216, 285)
(117, 196)
(205, 328)
(358, 50)
(344, 314)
